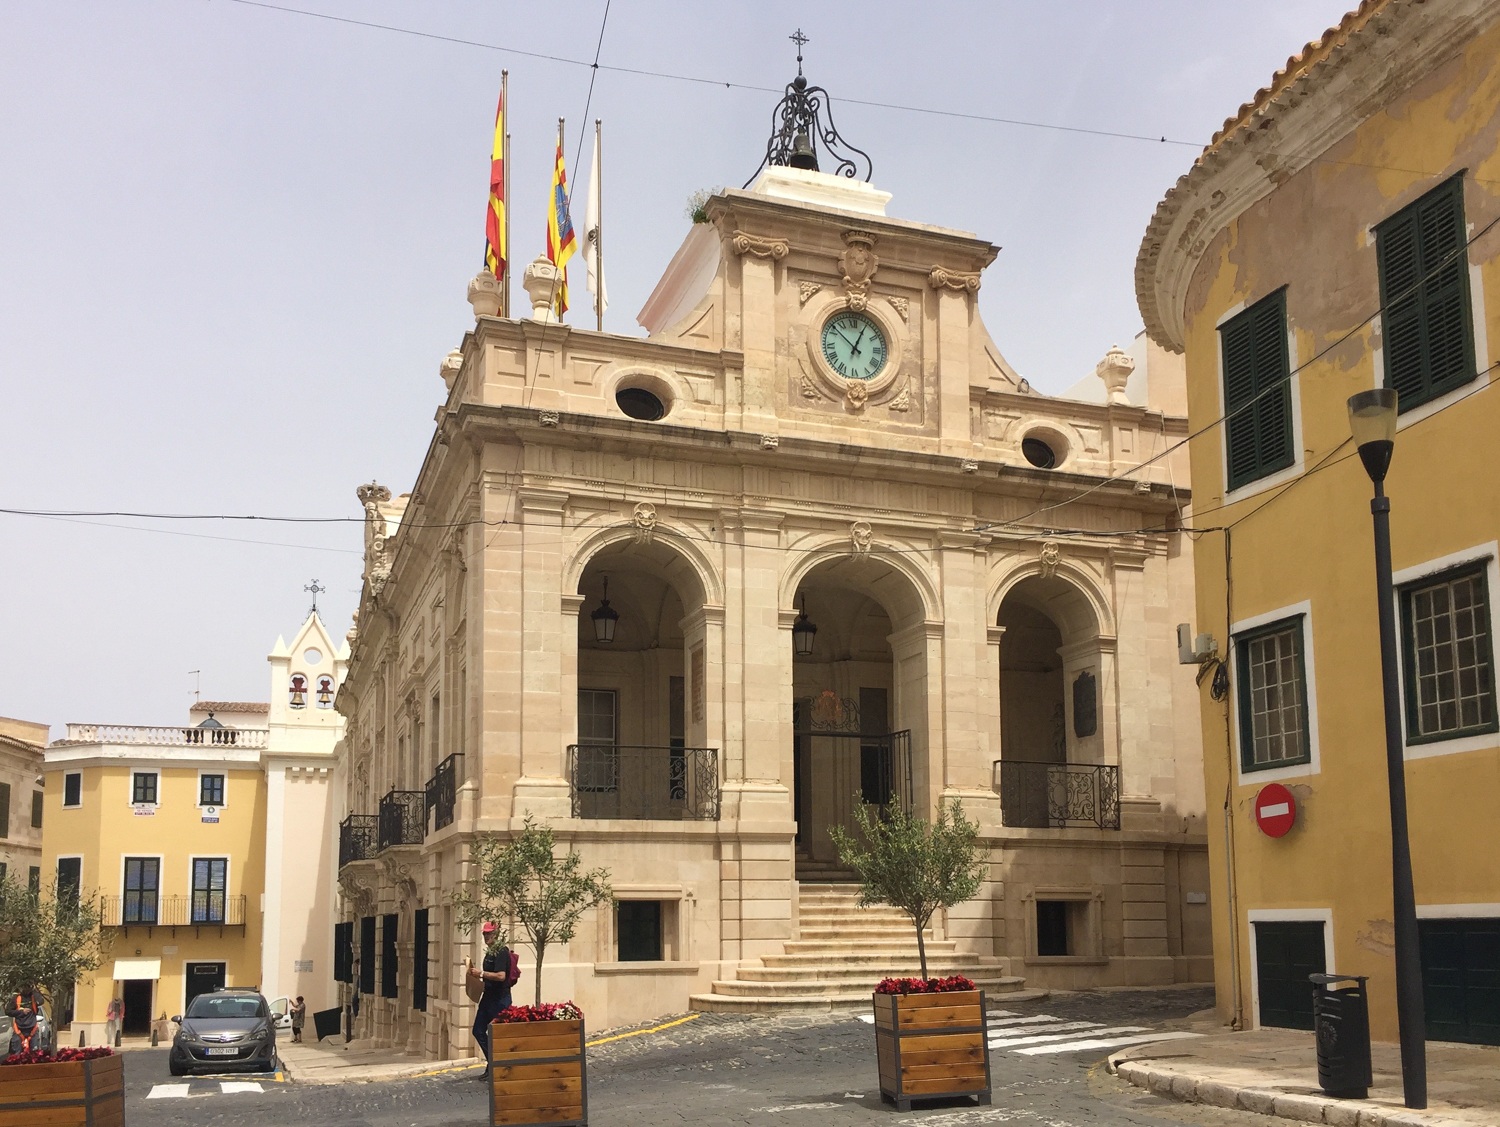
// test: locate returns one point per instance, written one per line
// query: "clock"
(854, 345)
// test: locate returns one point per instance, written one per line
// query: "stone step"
(869, 973)
(726, 1003)
(836, 948)
(871, 958)
(841, 988)
(893, 933)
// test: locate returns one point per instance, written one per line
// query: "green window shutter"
(1257, 391)
(4, 809)
(1428, 339)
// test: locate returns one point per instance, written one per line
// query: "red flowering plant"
(62, 1056)
(547, 1011)
(924, 985)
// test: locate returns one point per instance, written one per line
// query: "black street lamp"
(804, 633)
(1372, 420)
(605, 617)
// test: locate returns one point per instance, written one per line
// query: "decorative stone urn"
(484, 294)
(1115, 370)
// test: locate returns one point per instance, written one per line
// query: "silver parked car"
(222, 1031)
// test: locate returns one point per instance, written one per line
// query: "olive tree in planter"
(524, 880)
(930, 1035)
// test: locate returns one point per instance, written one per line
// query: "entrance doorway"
(1286, 952)
(1461, 979)
(136, 994)
(203, 978)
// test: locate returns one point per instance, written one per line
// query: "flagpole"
(599, 231)
(562, 269)
(505, 173)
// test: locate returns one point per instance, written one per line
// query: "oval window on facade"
(639, 403)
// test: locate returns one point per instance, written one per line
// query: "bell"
(802, 153)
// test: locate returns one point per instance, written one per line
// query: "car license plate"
(224, 1051)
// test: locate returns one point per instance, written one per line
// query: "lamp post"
(1372, 420)
(804, 632)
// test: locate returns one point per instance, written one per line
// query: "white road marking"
(1023, 1020)
(168, 1091)
(796, 1107)
(229, 1087)
(1074, 1029)
(1104, 1043)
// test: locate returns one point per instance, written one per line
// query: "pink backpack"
(513, 975)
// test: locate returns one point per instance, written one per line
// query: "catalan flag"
(561, 245)
(494, 220)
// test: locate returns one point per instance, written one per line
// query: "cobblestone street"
(815, 1069)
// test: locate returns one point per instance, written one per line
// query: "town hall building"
(691, 597)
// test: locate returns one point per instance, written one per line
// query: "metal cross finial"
(316, 591)
(799, 39)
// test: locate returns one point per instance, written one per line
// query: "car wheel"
(176, 1069)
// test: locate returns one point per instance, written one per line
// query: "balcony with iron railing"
(637, 782)
(442, 791)
(402, 818)
(359, 838)
(137, 735)
(1039, 795)
(146, 909)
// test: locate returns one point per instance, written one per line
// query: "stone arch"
(706, 584)
(1082, 602)
(874, 569)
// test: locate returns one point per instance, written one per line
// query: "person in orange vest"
(23, 1009)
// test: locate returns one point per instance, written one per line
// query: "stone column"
(542, 788)
(757, 307)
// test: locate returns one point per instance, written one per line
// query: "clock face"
(854, 346)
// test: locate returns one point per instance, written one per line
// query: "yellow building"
(209, 844)
(1337, 236)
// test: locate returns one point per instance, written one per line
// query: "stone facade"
(716, 482)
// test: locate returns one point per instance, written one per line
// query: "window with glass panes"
(73, 789)
(1427, 336)
(598, 758)
(1449, 657)
(142, 885)
(210, 790)
(1272, 696)
(143, 787)
(210, 881)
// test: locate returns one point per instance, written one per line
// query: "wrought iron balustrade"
(442, 791)
(1039, 795)
(359, 838)
(200, 909)
(634, 781)
(403, 818)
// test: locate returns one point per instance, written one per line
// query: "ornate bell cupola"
(802, 126)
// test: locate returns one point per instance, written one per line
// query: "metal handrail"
(636, 781)
(442, 791)
(204, 908)
(359, 838)
(403, 818)
(1039, 795)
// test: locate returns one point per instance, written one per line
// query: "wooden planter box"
(537, 1074)
(932, 1046)
(82, 1093)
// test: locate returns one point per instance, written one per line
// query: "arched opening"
(641, 689)
(859, 697)
(1052, 769)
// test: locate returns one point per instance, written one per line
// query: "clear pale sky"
(235, 241)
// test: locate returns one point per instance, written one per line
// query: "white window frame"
(1294, 389)
(80, 859)
(1490, 554)
(1458, 911)
(1254, 916)
(228, 860)
(1314, 764)
(161, 881)
(66, 805)
(223, 774)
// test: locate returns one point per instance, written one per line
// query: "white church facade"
(690, 597)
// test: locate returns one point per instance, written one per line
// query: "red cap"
(489, 926)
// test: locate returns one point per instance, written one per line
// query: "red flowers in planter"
(924, 985)
(62, 1056)
(547, 1011)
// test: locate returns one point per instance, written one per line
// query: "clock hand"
(847, 341)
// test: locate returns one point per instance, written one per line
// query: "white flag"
(592, 249)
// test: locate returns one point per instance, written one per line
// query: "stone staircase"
(841, 952)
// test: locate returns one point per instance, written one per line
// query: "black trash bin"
(1341, 1024)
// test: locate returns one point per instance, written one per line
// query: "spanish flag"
(561, 244)
(494, 220)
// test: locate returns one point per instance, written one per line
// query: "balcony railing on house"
(442, 791)
(1040, 795)
(403, 818)
(200, 909)
(142, 735)
(632, 781)
(359, 838)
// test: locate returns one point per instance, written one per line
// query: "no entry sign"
(1275, 810)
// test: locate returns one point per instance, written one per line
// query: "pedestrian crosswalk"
(185, 1089)
(1042, 1034)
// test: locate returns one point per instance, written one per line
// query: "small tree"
(912, 864)
(47, 941)
(525, 881)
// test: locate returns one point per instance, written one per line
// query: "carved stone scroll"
(900, 305)
(941, 279)
(742, 243)
(805, 291)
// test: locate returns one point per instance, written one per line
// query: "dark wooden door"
(1286, 952)
(203, 978)
(1461, 979)
(136, 996)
